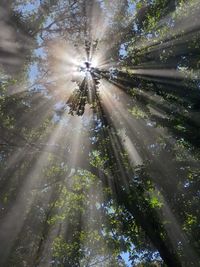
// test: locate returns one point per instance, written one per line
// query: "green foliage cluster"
(82, 192)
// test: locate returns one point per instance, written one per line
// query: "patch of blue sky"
(33, 68)
(125, 257)
(28, 7)
(122, 51)
(56, 118)
(39, 40)
(59, 105)
(48, 21)
(132, 6)
(39, 52)
(33, 72)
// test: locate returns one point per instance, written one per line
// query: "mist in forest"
(99, 133)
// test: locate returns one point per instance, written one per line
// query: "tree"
(123, 176)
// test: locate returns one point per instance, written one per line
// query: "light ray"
(182, 25)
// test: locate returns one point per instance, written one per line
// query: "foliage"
(124, 178)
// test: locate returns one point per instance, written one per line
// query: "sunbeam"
(99, 133)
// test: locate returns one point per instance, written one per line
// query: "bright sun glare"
(99, 133)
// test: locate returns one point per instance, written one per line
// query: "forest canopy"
(99, 133)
